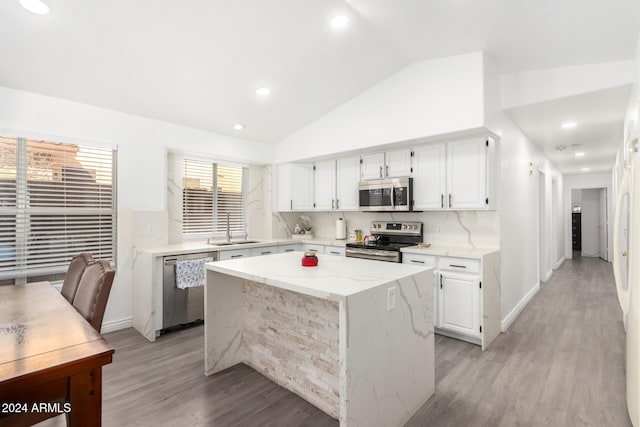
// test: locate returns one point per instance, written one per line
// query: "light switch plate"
(391, 298)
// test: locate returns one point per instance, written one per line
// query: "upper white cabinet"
(347, 178)
(430, 176)
(467, 174)
(325, 185)
(294, 187)
(455, 175)
(390, 164)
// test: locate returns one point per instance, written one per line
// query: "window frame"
(245, 196)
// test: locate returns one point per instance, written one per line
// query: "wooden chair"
(74, 274)
(93, 292)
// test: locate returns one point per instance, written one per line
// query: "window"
(56, 201)
(213, 192)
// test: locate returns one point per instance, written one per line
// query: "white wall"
(142, 144)
(520, 161)
(587, 181)
(424, 99)
(590, 219)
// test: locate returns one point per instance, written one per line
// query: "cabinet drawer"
(266, 250)
(468, 265)
(235, 254)
(419, 259)
(313, 248)
(334, 250)
(289, 248)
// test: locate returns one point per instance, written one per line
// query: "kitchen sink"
(240, 242)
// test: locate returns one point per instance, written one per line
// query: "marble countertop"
(450, 251)
(203, 246)
(334, 278)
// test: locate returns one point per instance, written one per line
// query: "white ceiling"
(198, 62)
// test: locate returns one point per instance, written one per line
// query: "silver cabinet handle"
(331, 203)
(337, 203)
(289, 250)
(387, 170)
(380, 171)
(392, 197)
(291, 204)
(417, 261)
(449, 199)
(265, 253)
(334, 252)
(457, 266)
(442, 200)
(441, 281)
(236, 256)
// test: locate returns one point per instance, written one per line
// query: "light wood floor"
(560, 364)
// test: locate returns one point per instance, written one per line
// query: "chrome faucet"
(228, 227)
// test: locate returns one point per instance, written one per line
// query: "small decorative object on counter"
(358, 235)
(303, 228)
(309, 259)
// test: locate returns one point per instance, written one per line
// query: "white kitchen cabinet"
(430, 176)
(234, 254)
(325, 185)
(459, 303)
(334, 250)
(265, 250)
(467, 174)
(347, 178)
(292, 247)
(467, 297)
(294, 187)
(455, 175)
(306, 247)
(389, 164)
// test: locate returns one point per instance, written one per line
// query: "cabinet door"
(459, 303)
(430, 177)
(302, 187)
(398, 163)
(372, 166)
(325, 185)
(334, 250)
(467, 174)
(347, 178)
(282, 197)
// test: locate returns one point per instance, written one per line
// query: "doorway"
(542, 231)
(589, 222)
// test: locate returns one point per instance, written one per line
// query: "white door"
(372, 166)
(604, 247)
(459, 305)
(430, 176)
(325, 185)
(467, 174)
(347, 178)
(542, 231)
(398, 163)
(302, 187)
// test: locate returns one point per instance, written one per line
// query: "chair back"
(74, 274)
(93, 292)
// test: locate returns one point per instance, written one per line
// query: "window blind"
(56, 201)
(211, 191)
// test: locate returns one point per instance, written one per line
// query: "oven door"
(375, 254)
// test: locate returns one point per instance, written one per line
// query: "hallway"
(561, 363)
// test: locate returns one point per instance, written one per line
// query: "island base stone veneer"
(353, 337)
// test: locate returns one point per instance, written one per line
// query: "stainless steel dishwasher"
(181, 307)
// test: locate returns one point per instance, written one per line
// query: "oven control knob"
(404, 226)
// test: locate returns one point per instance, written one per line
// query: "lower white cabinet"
(459, 303)
(289, 248)
(265, 250)
(466, 295)
(334, 250)
(233, 254)
(319, 249)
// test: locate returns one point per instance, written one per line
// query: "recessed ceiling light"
(339, 21)
(238, 126)
(569, 125)
(579, 154)
(263, 91)
(35, 6)
(584, 169)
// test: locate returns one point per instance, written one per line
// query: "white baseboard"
(559, 263)
(116, 325)
(508, 320)
(547, 275)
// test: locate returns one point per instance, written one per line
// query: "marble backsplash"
(469, 229)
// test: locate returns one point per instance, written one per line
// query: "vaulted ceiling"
(199, 62)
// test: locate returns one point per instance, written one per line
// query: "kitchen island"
(353, 337)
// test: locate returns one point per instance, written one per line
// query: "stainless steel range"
(387, 238)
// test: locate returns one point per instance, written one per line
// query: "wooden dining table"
(51, 359)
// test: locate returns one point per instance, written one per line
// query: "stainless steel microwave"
(386, 195)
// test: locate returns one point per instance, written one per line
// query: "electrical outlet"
(439, 228)
(150, 230)
(391, 298)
